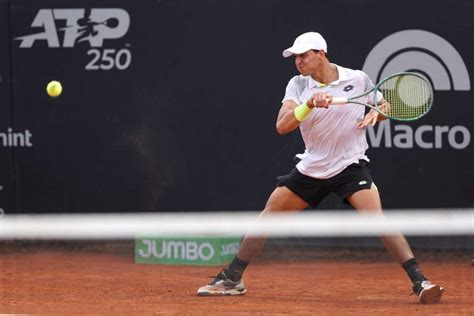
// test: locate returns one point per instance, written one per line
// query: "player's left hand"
(370, 118)
(373, 116)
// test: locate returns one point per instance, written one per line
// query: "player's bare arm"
(287, 122)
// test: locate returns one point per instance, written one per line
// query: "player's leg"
(368, 201)
(281, 200)
(229, 281)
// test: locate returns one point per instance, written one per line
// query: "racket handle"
(340, 100)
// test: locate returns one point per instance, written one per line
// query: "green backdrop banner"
(189, 250)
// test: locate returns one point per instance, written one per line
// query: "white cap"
(305, 42)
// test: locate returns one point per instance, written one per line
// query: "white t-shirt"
(331, 137)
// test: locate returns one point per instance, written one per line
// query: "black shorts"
(354, 178)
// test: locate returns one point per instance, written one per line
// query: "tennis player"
(334, 159)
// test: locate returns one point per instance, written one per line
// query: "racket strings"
(410, 96)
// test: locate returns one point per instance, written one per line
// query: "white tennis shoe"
(222, 285)
(428, 292)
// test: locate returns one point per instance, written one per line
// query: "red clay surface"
(65, 281)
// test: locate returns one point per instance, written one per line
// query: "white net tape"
(305, 224)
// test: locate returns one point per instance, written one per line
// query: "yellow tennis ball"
(54, 89)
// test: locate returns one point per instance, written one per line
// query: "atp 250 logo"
(92, 26)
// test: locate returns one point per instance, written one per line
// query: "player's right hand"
(320, 100)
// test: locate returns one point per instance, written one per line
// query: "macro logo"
(435, 58)
(69, 28)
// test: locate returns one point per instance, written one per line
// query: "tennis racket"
(410, 96)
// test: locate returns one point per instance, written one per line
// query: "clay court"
(102, 279)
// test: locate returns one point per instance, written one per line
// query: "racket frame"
(345, 100)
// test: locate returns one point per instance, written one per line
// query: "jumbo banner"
(171, 105)
(189, 250)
